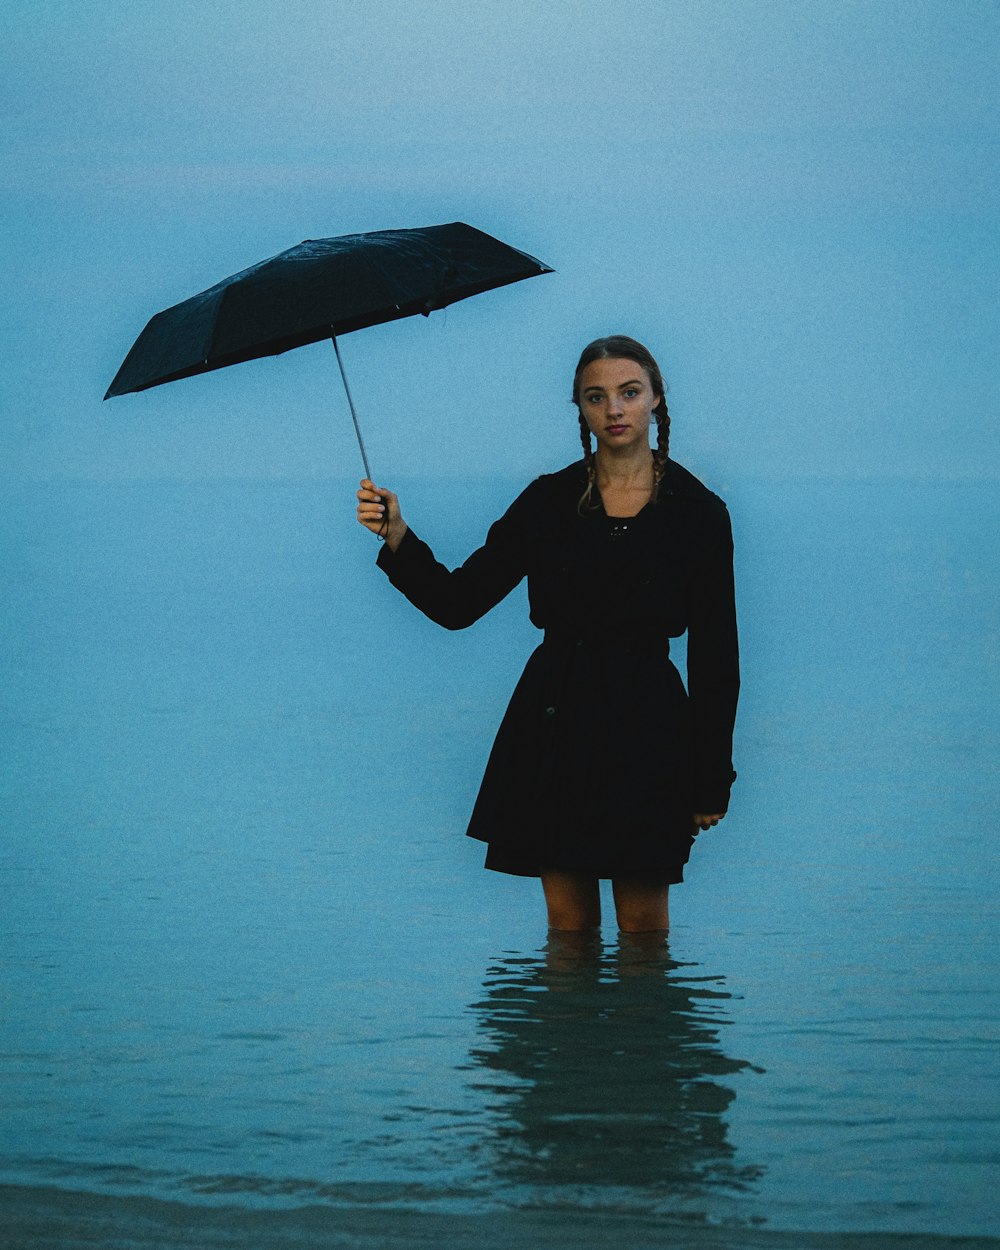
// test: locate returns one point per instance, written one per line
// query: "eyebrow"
(631, 382)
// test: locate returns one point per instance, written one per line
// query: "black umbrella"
(318, 290)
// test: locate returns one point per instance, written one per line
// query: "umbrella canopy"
(318, 290)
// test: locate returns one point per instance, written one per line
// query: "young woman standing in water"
(603, 766)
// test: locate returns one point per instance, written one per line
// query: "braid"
(588, 459)
(662, 453)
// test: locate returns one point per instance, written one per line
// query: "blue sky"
(793, 204)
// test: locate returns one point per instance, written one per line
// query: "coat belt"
(610, 635)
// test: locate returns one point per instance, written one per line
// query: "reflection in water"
(604, 1070)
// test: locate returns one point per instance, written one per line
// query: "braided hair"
(621, 347)
(591, 465)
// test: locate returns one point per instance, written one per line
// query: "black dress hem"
(518, 863)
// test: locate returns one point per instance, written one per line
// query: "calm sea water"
(258, 990)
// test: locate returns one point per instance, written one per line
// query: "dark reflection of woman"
(617, 1071)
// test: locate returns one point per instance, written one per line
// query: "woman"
(603, 766)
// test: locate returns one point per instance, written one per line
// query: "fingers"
(369, 502)
(371, 515)
(371, 493)
(377, 507)
(706, 820)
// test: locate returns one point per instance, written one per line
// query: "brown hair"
(621, 347)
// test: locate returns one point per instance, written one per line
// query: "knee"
(644, 916)
(641, 906)
(573, 902)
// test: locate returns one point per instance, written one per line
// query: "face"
(617, 401)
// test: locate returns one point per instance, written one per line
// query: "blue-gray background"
(793, 204)
(247, 955)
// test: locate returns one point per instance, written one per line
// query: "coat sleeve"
(713, 664)
(459, 597)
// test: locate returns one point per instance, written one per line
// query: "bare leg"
(641, 905)
(573, 900)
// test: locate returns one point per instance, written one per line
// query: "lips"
(617, 429)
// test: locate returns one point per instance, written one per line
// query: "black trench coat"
(602, 756)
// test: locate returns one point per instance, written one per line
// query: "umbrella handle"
(354, 415)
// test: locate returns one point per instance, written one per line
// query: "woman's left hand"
(705, 820)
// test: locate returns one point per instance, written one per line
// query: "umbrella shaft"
(354, 415)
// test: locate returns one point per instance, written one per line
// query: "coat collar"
(677, 481)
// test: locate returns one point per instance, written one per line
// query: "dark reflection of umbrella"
(318, 290)
(605, 1073)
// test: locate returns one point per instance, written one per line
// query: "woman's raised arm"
(454, 598)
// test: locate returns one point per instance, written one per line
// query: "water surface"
(258, 989)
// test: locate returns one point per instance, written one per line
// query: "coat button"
(550, 711)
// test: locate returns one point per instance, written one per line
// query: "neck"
(631, 466)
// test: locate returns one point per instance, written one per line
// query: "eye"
(631, 392)
(593, 399)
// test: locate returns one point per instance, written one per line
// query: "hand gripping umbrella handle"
(354, 415)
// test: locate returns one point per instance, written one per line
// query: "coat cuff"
(388, 559)
(713, 797)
